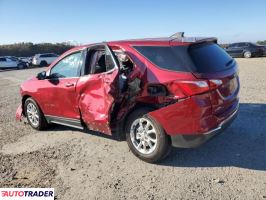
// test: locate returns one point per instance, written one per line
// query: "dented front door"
(97, 96)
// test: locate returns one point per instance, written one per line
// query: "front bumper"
(192, 141)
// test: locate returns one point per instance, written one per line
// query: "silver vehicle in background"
(11, 62)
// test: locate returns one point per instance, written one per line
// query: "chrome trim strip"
(222, 123)
(75, 123)
(65, 124)
(63, 118)
(230, 117)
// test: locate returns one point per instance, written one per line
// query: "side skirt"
(75, 123)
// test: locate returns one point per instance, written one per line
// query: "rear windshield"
(210, 58)
(201, 58)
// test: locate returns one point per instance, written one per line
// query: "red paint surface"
(96, 97)
(19, 113)
(92, 97)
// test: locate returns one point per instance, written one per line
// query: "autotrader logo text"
(27, 193)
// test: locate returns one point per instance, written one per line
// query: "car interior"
(99, 61)
(95, 61)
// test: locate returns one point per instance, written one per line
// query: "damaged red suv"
(156, 93)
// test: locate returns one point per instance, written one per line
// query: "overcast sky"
(102, 20)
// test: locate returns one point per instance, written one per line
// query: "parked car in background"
(19, 61)
(156, 93)
(245, 49)
(11, 62)
(44, 59)
(27, 60)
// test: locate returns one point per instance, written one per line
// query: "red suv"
(156, 93)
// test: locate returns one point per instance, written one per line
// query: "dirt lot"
(85, 165)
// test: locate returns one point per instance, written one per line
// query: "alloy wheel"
(143, 135)
(33, 114)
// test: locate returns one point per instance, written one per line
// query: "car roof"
(154, 41)
(150, 41)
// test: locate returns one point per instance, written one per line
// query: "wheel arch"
(43, 63)
(23, 100)
(120, 129)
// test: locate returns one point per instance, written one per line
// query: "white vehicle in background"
(8, 62)
(25, 59)
(44, 59)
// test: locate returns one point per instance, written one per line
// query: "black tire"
(43, 63)
(42, 123)
(163, 147)
(247, 54)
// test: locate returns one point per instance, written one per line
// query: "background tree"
(262, 42)
(30, 49)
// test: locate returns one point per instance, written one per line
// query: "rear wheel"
(34, 115)
(247, 54)
(43, 63)
(145, 137)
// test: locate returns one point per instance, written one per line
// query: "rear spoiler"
(180, 37)
(195, 40)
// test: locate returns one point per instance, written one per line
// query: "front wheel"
(34, 114)
(146, 138)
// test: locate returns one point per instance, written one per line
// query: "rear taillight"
(193, 87)
(215, 83)
(181, 89)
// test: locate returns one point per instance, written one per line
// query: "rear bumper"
(190, 116)
(192, 141)
(192, 121)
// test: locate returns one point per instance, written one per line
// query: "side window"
(241, 45)
(2, 60)
(54, 55)
(232, 46)
(67, 67)
(108, 60)
(50, 55)
(99, 60)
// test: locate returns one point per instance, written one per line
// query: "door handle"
(69, 84)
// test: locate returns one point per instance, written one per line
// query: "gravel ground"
(86, 165)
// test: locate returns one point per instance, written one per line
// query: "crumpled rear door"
(97, 97)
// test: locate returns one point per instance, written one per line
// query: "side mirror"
(41, 75)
